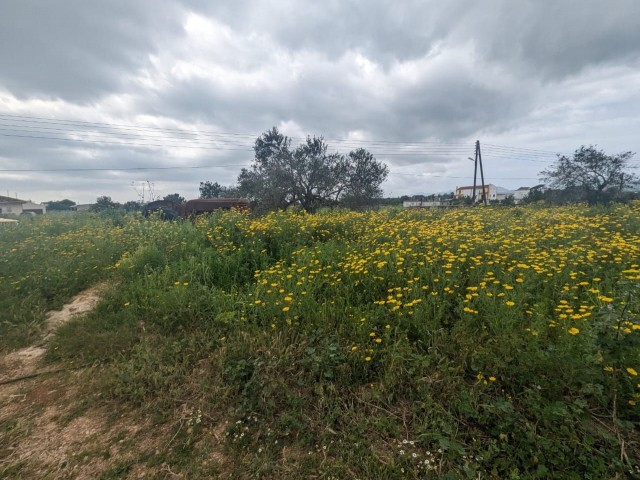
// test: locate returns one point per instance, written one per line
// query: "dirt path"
(52, 426)
(25, 362)
(47, 429)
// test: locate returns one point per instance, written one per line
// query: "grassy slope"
(355, 345)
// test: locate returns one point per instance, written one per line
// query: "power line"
(31, 129)
(438, 151)
(500, 153)
(490, 155)
(213, 142)
(111, 125)
(34, 119)
(208, 147)
(508, 150)
(461, 177)
(117, 169)
(108, 142)
(189, 167)
(156, 137)
(523, 148)
(213, 139)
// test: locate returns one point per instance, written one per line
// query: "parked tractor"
(171, 210)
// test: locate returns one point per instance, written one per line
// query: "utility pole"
(475, 176)
(484, 192)
(478, 160)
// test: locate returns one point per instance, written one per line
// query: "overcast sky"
(120, 86)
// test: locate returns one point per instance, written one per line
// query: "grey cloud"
(452, 71)
(381, 29)
(527, 41)
(555, 38)
(88, 185)
(78, 50)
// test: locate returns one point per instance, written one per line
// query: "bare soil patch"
(82, 303)
(52, 436)
(35, 441)
(53, 426)
(25, 361)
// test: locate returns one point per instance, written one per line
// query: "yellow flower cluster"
(491, 264)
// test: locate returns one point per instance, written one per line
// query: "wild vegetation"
(383, 344)
(589, 175)
(309, 176)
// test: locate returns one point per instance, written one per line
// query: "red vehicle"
(170, 210)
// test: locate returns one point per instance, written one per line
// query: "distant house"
(15, 206)
(521, 193)
(34, 208)
(425, 204)
(82, 207)
(495, 193)
(490, 192)
(11, 206)
(502, 194)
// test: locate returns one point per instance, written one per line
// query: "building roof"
(33, 205)
(4, 199)
(479, 186)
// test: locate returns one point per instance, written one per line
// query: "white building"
(34, 208)
(502, 194)
(15, 206)
(467, 192)
(521, 193)
(493, 192)
(424, 204)
(10, 205)
(82, 207)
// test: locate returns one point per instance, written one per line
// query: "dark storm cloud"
(527, 44)
(554, 39)
(557, 38)
(380, 29)
(550, 74)
(77, 50)
(444, 101)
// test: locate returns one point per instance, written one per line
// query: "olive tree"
(591, 174)
(309, 176)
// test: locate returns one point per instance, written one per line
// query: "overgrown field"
(472, 343)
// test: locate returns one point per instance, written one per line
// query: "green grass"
(494, 343)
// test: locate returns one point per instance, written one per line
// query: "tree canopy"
(104, 203)
(309, 175)
(175, 198)
(590, 174)
(132, 206)
(215, 190)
